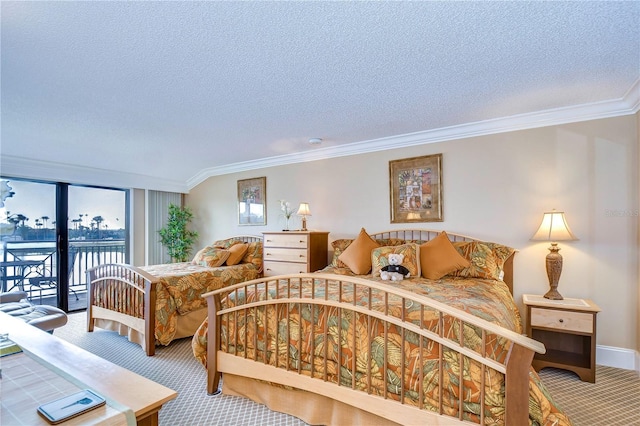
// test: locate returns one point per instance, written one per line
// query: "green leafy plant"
(175, 236)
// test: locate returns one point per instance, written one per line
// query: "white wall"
(495, 188)
(637, 367)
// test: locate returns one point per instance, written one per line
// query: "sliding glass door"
(28, 231)
(97, 233)
(53, 232)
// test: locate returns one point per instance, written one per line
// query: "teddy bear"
(394, 271)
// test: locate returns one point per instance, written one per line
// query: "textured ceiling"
(193, 86)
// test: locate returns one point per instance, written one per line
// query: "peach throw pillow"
(358, 255)
(236, 253)
(439, 257)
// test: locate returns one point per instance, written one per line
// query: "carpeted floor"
(175, 367)
(613, 400)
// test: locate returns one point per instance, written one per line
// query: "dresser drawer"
(287, 241)
(283, 268)
(286, 254)
(562, 320)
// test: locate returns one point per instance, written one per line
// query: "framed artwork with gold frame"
(416, 189)
(252, 201)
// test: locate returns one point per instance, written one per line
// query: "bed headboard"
(428, 234)
(247, 238)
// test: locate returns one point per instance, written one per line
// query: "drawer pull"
(301, 241)
(560, 320)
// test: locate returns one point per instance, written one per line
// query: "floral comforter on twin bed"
(181, 288)
(484, 298)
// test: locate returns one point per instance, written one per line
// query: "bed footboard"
(428, 337)
(124, 294)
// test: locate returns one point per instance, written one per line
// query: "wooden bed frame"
(133, 299)
(515, 367)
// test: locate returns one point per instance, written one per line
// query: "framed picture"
(416, 189)
(252, 201)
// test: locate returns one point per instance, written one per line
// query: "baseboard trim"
(611, 356)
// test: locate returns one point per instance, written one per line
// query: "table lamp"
(554, 228)
(304, 211)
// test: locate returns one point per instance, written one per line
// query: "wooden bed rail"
(123, 293)
(288, 290)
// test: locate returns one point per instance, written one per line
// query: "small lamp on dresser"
(554, 228)
(304, 211)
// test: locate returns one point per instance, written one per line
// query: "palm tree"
(98, 220)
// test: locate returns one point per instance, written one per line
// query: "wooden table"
(86, 370)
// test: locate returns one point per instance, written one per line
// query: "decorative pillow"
(380, 258)
(358, 255)
(198, 257)
(236, 253)
(225, 244)
(390, 241)
(338, 247)
(213, 257)
(341, 245)
(439, 257)
(254, 255)
(486, 259)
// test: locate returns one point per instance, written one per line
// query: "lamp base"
(553, 295)
(554, 269)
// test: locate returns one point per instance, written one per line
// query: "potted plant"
(175, 236)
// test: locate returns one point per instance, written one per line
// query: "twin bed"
(160, 303)
(345, 347)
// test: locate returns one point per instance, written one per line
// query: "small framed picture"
(416, 189)
(252, 201)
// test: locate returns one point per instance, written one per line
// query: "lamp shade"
(554, 227)
(304, 210)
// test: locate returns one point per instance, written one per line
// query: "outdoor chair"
(44, 317)
(49, 282)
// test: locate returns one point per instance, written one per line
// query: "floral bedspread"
(487, 299)
(181, 287)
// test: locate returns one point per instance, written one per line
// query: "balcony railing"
(31, 265)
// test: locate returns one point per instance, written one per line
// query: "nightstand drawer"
(286, 254)
(562, 320)
(288, 241)
(283, 268)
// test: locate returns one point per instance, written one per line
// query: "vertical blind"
(157, 214)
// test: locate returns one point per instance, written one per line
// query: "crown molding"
(632, 97)
(627, 105)
(20, 167)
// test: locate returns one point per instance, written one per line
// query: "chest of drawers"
(294, 252)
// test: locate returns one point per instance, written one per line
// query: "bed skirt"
(311, 408)
(186, 326)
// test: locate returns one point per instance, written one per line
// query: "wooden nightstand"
(567, 328)
(294, 252)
